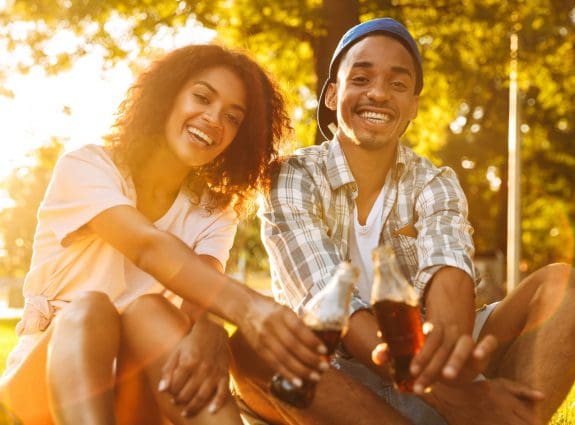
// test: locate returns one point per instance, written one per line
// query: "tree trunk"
(338, 16)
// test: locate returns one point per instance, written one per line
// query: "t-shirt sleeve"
(217, 238)
(85, 183)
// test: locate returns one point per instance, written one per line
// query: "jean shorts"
(409, 405)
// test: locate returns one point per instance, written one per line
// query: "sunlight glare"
(76, 106)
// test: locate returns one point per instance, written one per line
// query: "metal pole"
(513, 175)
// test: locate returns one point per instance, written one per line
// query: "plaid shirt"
(306, 221)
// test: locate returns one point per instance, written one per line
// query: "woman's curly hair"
(246, 164)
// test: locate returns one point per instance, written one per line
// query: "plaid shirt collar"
(339, 174)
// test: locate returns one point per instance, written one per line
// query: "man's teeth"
(200, 135)
(375, 116)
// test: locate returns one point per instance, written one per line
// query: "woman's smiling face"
(206, 116)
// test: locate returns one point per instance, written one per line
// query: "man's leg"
(339, 399)
(535, 325)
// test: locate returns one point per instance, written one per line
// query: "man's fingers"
(424, 356)
(458, 358)
(380, 354)
(482, 353)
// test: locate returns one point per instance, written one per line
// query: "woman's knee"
(150, 310)
(91, 310)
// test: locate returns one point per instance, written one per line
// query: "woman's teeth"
(200, 135)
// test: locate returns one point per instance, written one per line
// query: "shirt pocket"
(404, 238)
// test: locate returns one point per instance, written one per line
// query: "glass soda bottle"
(326, 314)
(396, 307)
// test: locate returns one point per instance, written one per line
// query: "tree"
(463, 110)
(25, 186)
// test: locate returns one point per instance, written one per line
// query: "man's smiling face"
(374, 94)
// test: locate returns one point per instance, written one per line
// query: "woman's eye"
(233, 119)
(359, 79)
(201, 98)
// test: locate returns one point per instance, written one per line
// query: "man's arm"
(445, 281)
(297, 237)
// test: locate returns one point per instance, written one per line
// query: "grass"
(564, 416)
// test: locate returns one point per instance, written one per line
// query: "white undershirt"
(363, 240)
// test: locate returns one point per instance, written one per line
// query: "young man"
(339, 200)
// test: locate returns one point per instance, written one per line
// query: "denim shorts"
(409, 405)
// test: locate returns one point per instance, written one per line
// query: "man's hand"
(449, 347)
(282, 340)
(497, 401)
(196, 373)
(450, 358)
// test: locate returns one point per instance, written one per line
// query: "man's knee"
(554, 280)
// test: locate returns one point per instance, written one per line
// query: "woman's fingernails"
(185, 413)
(322, 349)
(314, 376)
(297, 382)
(323, 366)
(418, 389)
(163, 385)
(212, 408)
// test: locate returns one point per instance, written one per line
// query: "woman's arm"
(273, 330)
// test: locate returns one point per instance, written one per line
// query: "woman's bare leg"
(152, 327)
(81, 358)
(74, 382)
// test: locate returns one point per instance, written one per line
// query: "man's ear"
(331, 96)
(414, 108)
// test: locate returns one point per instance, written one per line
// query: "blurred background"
(66, 64)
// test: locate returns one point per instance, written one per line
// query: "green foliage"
(26, 187)
(463, 113)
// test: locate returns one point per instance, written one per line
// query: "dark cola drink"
(302, 396)
(401, 328)
(396, 307)
(327, 314)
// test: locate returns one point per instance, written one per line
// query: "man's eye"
(399, 85)
(359, 80)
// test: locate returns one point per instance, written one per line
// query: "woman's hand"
(282, 340)
(196, 373)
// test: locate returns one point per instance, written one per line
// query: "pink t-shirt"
(69, 259)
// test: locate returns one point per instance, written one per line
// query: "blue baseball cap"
(385, 26)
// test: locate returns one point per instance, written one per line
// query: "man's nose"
(379, 90)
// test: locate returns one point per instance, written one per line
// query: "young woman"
(128, 230)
